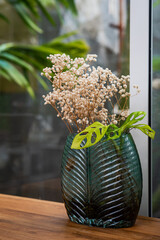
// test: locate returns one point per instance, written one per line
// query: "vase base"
(100, 223)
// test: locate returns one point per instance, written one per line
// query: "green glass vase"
(102, 184)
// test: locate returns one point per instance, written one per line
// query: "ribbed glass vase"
(102, 184)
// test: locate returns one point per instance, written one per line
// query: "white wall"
(139, 62)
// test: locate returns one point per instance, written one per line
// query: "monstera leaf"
(112, 132)
(92, 134)
(96, 131)
(132, 119)
(145, 129)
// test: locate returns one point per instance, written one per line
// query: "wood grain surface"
(31, 219)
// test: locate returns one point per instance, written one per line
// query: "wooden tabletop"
(31, 219)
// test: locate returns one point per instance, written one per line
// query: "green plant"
(156, 3)
(96, 131)
(19, 63)
(29, 10)
(156, 63)
(84, 97)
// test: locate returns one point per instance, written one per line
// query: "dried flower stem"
(68, 126)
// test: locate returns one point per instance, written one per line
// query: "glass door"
(155, 110)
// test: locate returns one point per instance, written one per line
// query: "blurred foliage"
(156, 64)
(30, 9)
(156, 3)
(156, 59)
(19, 63)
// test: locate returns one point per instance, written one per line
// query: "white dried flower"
(81, 93)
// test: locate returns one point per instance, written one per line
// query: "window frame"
(141, 72)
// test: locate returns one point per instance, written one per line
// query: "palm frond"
(22, 12)
(16, 60)
(28, 10)
(4, 18)
(72, 6)
(45, 12)
(32, 59)
(14, 74)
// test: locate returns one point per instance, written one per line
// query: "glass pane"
(31, 135)
(156, 111)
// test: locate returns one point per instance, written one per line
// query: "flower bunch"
(91, 99)
(83, 94)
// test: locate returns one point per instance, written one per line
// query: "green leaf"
(48, 3)
(30, 91)
(31, 6)
(77, 48)
(36, 64)
(92, 134)
(113, 132)
(28, 8)
(63, 2)
(155, 4)
(4, 18)
(45, 12)
(16, 60)
(42, 82)
(5, 75)
(156, 64)
(61, 38)
(58, 10)
(145, 129)
(26, 18)
(69, 4)
(15, 75)
(34, 49)
(132, 119)
(28, 86)
(95, 132)
(72, 6)
(6, 46)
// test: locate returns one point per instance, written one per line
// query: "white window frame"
(140, 74)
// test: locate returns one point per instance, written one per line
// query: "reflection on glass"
(105, 26)
(156, 111)
(31, 135)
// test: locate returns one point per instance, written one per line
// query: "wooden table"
(31, 219)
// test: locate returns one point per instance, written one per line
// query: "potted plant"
(101, 171)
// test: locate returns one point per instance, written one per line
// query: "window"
(32, 137)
